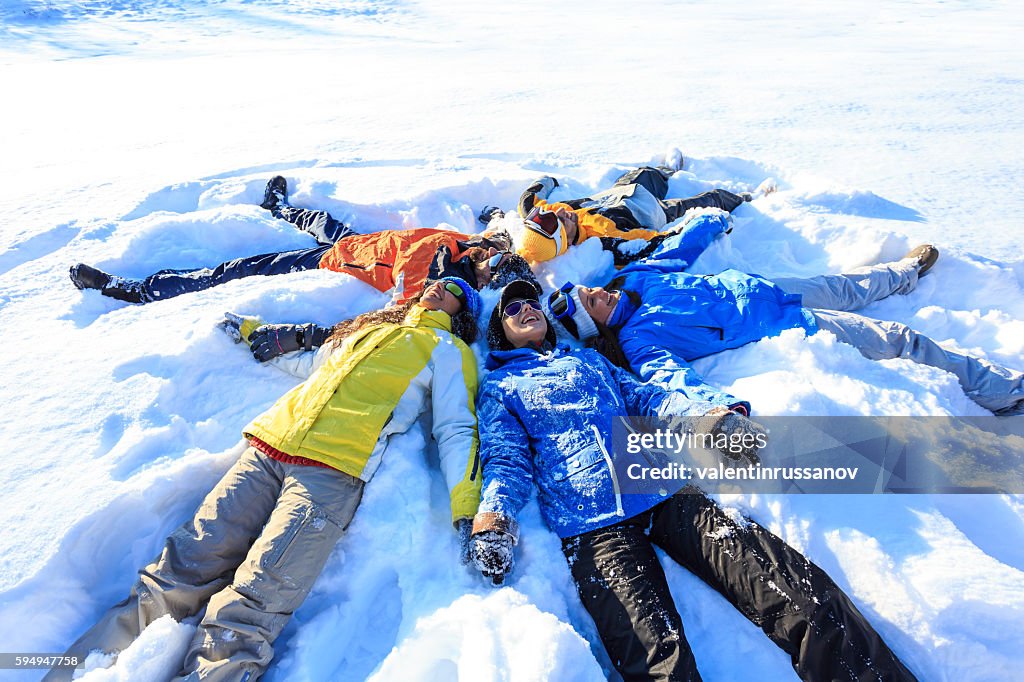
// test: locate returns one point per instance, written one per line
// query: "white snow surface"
(139, 135)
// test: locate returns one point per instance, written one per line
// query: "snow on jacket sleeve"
(453, 392)
(302, 363)
(658, 365)
(505, 454)
(679, 251)
(652, 400)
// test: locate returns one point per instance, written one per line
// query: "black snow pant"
(655, 181)
(324, 228)
(794, 602)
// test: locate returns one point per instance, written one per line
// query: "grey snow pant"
(623, 587)
(855, 289)
(249, 556)
(995, 388)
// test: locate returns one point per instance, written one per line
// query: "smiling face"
(598, 303)
(571, 224)
(436, 297)
(528, 327)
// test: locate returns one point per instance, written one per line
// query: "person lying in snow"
(656, 320)
(400, 260)
(545, 417)
(262, 536)
(634, 208)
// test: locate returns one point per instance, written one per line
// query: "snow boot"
(925, 255)
(767, 186)
(674, 160)
(276, 193)
(87, 277)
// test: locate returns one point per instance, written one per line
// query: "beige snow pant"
(250, 555)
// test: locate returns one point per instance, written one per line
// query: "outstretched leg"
(320, 224)
(855, 289)
(623, 588)
(861, 286)
(242, 621)
(716, 198)
(993, 387)
(197, 561)
(654, 180)
(324, 228)
(793, 601)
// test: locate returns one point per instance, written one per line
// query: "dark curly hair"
(463, 323)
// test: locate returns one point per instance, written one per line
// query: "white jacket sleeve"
(302, 363)
(453, 403)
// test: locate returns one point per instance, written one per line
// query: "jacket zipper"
(611, 470)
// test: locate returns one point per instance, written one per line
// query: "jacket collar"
(500, 358)
(624, 310)
(418, 316)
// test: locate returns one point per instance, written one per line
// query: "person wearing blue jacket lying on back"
(545, 416)
(655, 320)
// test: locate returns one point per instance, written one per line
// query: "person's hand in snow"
(493, 554)
(741, 437)
(239, 327)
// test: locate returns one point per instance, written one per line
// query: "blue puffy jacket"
(683, 317)
(546, 418)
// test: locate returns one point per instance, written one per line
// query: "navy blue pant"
(325, 229)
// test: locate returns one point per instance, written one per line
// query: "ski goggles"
(494, 260)
(561, 303)
(545, 223)
(516, 307)
(456, 291)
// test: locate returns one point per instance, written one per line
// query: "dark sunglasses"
(516, 307)
(493, 261)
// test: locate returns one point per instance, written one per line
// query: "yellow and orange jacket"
(591, 214)
(377, 384)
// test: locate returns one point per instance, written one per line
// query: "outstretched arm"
(289, 347)
(540, 190)
(506, 459)
(658, 365)
(678, 251)
(453, 385)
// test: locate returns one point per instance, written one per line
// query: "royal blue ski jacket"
(545, 418)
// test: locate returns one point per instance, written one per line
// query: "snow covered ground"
(138, 135)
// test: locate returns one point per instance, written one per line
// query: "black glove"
(271, 340)
(489, 213)
(492, 554)
(465, 529)
(745, 437)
